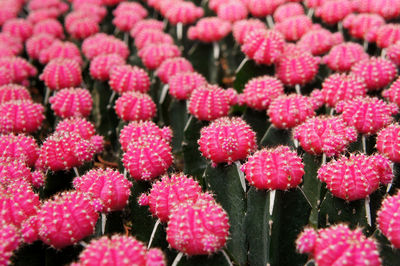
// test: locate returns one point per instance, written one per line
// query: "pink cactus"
(173, 66)
(263, 46)
(29, 231)
(59, 49)
(20, 68)
(49, 26)
(241, 28)
(125, 21)
(15, 44)
(168, 193)
(10, 92)
(342, 56)
(147, 157)
(64, 150)
(359, 25)
(209, 102)
(288, 10)
(146, 37)
(35, 44)
(96, 9)
(385, 35)
(332, 12)
(124, 78)
(154, 54)
(393, 92)
(393, 53)
(209, 29)
(200, 238)
(9, 239)
(20, 116)
(182, 84)
(120, 250)
(387, 219)
(367, 115)
(136, 129)
(387, 142)
(319, 41)
(38, 15)
(132, 106)
(342, 87)
(66, 219)
(288, 111)
(293, 28)
(377, 72)
(81, 25)
(5, 76)
(227, 140)
(328, 135)
(18, 202)
(19, 148)
(72, 102)
(388, 9)
(130, 7)
(111, 187)
(183, 12)
(263, 8)
(101, 65)
(146, 24)
(355, 177)
(100, 44)
(296, 67)
(18, 27)
(39, 4)
(306, 241)
(277, 168)
(14, 170)
(338, 245)
(232, 11)
(62, 73)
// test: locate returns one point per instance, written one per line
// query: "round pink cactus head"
(332, 12)
(342, 56)
(182, 84)
(18, 27)
(146, 37)
(59, 49)
(173, 66)
(342, 87)
(10, 92)
(35, 44)
(385, 35)
(209, 29)
(327, 135)
(319, 41)
(10, 241)
(62, 73)
(393, 93)
(124, 21)
(277, 168)
(288, 111)
(134, 106)
(72, 103)
(148, 157)
(38, 15)
(136, 129)
(359, 25)
(263, 46)
(306, 241)
(200, 238)
(393, 53)
(120, 250)
(263, 8)
(29, 230)
(111, 187)
(183, 12)
(66, 219)
(368, 115)
(377, 72)
(20, 68)
(227, 140)
(146, 24)
(387, 219)
(49, 26)
(293, 28)
(13, 171)
(125, 78)
(101, 43)
(232, 11)
(241, 28)
(154, 54)
(101, 65)
(130, 7)
(19, 147)
(15, 44)
(387, 142)
(209, 102)
(352, 178)
(167, 193)
(20, 116)
(388, 9)
(81, 25)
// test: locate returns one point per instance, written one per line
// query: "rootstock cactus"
(190, 132)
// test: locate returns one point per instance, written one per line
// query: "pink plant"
(342, 56)
(39, 4)
(101, 65)
(136, 129)
(9, 239)
(377, 72)
(209, 29)
(132, 106)
(15, 170)
(241, 28)
(35, 44)
(100, 44)
(168, 193)
(263, 46)
(120, 250)
(125, 21)
(38, 15)
(59, 49)
(393, 92)
(214, 4)
(355, 177)
(10, 92)
(200, 238)
(359, 25)
(62, 73)
(342, 87)
(209, 102)
(72, 102)
(387, 219)
(97, 10)
(387, 142)
(20, 116)
(146, 37)
(20, 68)
(29, 231)
(124, 78)
(277, 168)
(172, 66)
(15, 44)
(19, 148)
(288, 10)
(385, 35)
(49, 26)
(66, 219)
(232, 11)
(293, 28)
(182, 84)
(393, 53)
(328, 135)
(147, 157)
(130, 7)
(146, 24)
(18, 27)
(263, 8)
(154, 54)
(368, 115)
(332, 12)
(319, 41)
(388, 9)
(305, 242)
(227, 140)
(183, 12)
(111, 187)
(5, 76)
(81, 25)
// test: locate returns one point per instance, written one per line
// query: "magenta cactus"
(81, 25)
(11, 92)
(227, 140)
(101, 43)
(207, 236)
(147, 157)
(183, 12)
(18, 27)
(146, 24)
(368, 115)
(288, 10)
(62, 73)
(9, 239)
(232, 11)
(38, 15)
(14, 171)
(385, 35)
(332, 12)
(19, 148)
(342, 56)
(101, 65)
(124, 78)
(154, 54)
(20, 68)
(277, 168)
(35, 44)
(388, 9)
(306, 241)
(387, 142)
(134, 105)
(49, 26)
(59, 49)
(173, 66)
(293, 28)
(359, 25)
(241, 28)
(72, 102)
(15, 44)
(387, 219)
(319, 41)
(125, 21)
(393, 92)
(130, 7)
(136, 129)
(168, 193)
(209, 29)
(393, 53)
(182, 84)
(66, 219)
(146, 37)
(263, 8)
